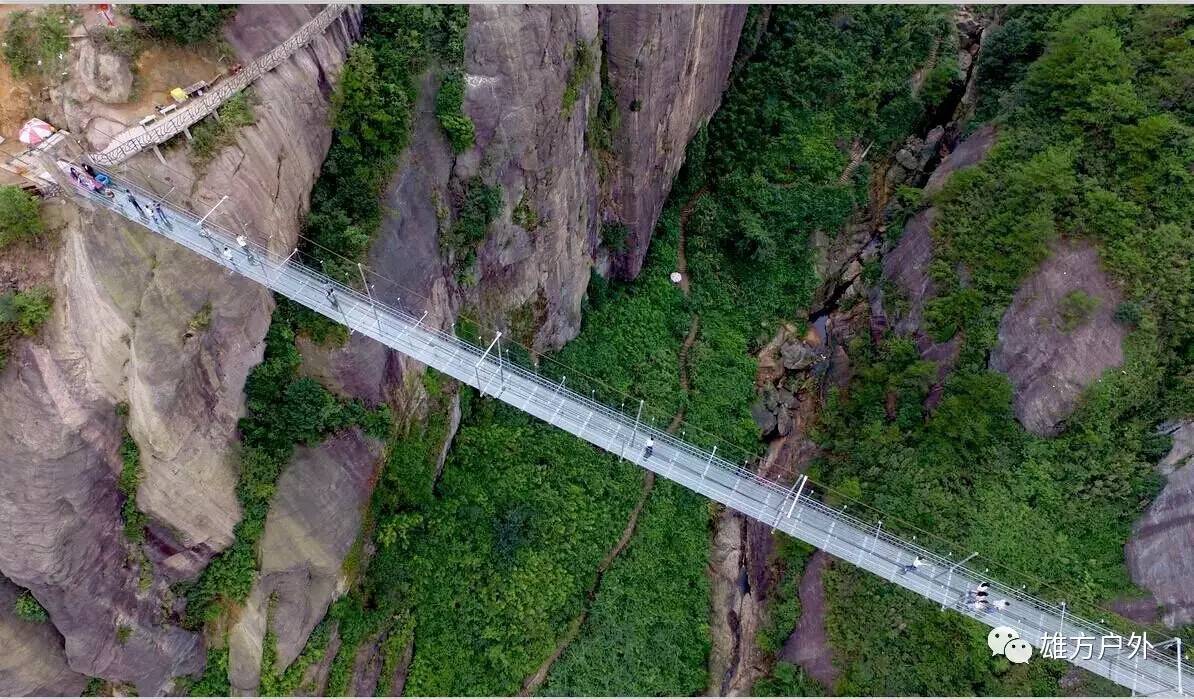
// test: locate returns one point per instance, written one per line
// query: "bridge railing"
(756, 501)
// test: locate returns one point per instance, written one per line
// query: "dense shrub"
(213, 134)
(448, 110)
(183, 24)
(36, 43)
(22, 313)
(20, 217)
(584, 62)
(28, 608)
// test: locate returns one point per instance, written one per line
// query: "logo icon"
(1006, 641)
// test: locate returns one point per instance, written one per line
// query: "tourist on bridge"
(227, 253)
(331, 293)
(914, 565)
(160, 212)
(650, 447)
(136, 204)
(243, 244)
(1001, 605)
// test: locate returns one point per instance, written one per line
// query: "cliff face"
(137, 321)
(32, 663)
(667, 67)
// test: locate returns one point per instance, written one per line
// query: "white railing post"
(211, 211)
(477, 367)
(369, 291)
(709, 462)
(633, 432)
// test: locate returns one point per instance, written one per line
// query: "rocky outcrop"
(667, 66)
(1058, 336)
(808, 646)
(313, 521)
(32, 662)
(139, 321)
(61, 513)
(968, 153)
(1160, 553)
(102, 75)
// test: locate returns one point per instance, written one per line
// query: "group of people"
(99, 182)
(156, 213)
(978, 600)
(243, 244)
(90, 179)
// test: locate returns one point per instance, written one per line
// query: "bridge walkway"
(800, 511)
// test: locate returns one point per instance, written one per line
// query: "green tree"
(20, 218)
(28, 608)
(183, 24)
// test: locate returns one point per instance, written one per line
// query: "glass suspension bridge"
(799, 510)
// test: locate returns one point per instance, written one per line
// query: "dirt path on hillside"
(536, 680)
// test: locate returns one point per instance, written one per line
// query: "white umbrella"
(35, 131)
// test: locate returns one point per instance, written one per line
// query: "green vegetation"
(1093, 145)
(123, 634)
(36, 43)
(448, 110)
(95, 687)
(183, 24)
(22, 313)
(614, 235)
(524, 214)
(283, 410)
(130, 477)
(20, 215)
(214, 134)
(1075, 309)
(604, 121)
(214, 680)
(122, 41)
(584, 62)
(647, 632)
(201, 320)
(480, 205)
(28, 608)
(288, 682)
(372, 113)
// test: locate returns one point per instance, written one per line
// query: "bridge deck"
(800, 514)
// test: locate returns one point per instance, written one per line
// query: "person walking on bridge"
(243, 244)
(914, 565)
(136, 204)
(161, 213)
(649, 448)
(331, 294)
(227, 254)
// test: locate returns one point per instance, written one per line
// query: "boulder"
(1051, 359)
(797, 356)
(969, 152)
(106, 76)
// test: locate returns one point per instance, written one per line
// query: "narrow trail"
(531, 684)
